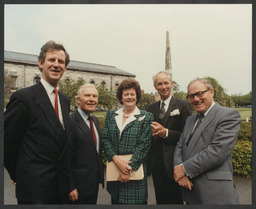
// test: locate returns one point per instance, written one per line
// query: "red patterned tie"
(56, 107)
(92, 130)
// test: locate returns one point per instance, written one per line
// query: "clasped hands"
(158, 131)
(181, 178)
(124, 167)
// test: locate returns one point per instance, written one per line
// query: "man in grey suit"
(203, 156)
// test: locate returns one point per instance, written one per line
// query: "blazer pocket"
(220, 175)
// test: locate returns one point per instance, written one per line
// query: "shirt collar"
(121, 111)
(83, 114)
(207, 111)
(48, 87)
(167, 101)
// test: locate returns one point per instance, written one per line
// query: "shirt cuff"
(184, 169)
(166, 133)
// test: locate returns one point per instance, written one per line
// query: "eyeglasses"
(198, 94)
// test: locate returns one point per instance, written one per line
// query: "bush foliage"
(242, 159)
(245, 131)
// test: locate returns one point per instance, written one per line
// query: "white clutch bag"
(113, 171)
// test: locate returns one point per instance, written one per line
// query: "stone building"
(23, 70)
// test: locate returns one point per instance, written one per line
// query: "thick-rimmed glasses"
(198, 94)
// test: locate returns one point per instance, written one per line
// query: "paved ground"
(244, 188)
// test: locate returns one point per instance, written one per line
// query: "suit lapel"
(156, 112)
(47, 108)
(171, 107)
(196, 136)
(85, 129)
(133, 119)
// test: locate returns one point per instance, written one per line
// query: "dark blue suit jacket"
(36, 147)
(86, 163)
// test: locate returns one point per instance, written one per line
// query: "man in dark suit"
(37, 134)
(86, 161)
(203, 156)
(167, 127)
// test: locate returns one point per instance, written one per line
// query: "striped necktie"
(162, 111)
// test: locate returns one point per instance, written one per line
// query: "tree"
(106, 98)
(145, 100)
(219, 94)
(69, 88)
(242, 100)
(176, 91)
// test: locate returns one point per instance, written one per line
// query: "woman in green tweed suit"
(128, 131)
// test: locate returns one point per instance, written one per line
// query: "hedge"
(245, 131)
(242, 159)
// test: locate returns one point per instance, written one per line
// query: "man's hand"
(122, 165)
(14, 183)
(178, 172)
(73, 196)
(185, 182)
(158, 131)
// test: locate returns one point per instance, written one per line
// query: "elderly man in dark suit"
(203, 156)
(86, 161)
(37, 134)
(170, 115)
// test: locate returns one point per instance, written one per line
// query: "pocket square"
(141, 118)
(175, 112)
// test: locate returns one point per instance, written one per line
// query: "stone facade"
(24, 72)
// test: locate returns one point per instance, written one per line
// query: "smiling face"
(163, 85)
(203, 102)
(129, 98)
(88, 100)
(53, 67)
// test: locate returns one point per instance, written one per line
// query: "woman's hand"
(122, 165)
(124, 177)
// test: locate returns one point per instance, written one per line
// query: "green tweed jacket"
(135, 139)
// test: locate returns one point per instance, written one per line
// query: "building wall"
(26, 75)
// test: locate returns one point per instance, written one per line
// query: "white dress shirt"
(49, 89)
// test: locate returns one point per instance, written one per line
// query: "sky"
(207, 40)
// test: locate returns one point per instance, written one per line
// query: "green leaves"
(242, 159)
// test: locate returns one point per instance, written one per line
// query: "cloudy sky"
(206, 40)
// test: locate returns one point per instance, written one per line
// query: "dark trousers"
(89, 200)
(167, 191)
(55, 201)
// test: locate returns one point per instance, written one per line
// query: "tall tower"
(168, 64)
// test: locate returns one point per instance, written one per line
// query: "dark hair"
(128, 84)
(51, 46)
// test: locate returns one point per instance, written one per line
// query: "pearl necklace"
(126, 115)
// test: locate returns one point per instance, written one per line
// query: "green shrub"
(245, 131)
(242, 159)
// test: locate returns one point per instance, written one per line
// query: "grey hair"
(205, 81)
(167, 73)
(85, 86)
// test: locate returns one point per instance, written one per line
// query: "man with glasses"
(203, 156)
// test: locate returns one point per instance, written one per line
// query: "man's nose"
(56, 63)
(196, 98)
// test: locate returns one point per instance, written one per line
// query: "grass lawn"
(100, 114)
(244, 112)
